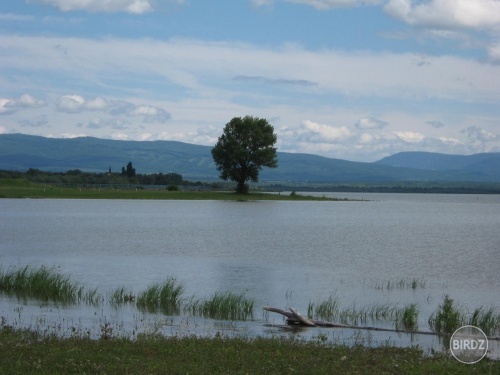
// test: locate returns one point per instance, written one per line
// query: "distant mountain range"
(21, 152)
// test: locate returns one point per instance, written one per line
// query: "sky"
(350, 79)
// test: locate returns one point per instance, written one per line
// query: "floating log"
(294, 317)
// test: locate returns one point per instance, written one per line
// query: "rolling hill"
(21, 152)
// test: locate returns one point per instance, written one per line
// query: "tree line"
(78, 177)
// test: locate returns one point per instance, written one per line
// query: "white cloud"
(177, 63)
(330, 4)
(315, 132)
(478, 134)
(71, 104)
(410, 136)
(370, 123)
(8, 106)
(445, 14)
(129, 6)
(494, 52)
(262, 3)
(150, 113)
(78, 104)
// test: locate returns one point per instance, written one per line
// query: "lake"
(282, 254)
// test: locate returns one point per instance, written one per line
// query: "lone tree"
(245, 146)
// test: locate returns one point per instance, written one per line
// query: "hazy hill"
(21, 152)
(485, 164)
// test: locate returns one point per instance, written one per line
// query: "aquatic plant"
(223, 305)
(327, 309)
(406, 283)
(486, 319)
(407, 317)
(43, 283)
(331, 310)
(447, 318)
(121, 295)
(166, 296)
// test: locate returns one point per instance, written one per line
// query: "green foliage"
(45, 284)
(408, 317)
(447, 318)
(166, 296)
(226, 305)
(486, 319)
(26, 352)
(245, 146)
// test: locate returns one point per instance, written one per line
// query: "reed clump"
(44, 283)
(407, 317)
(447, 318)
(121, 295)
(165, 296)
(406, 283)
(223, 305)
(487, 319)
(331, 310)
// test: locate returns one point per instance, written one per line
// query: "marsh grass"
(447, 318)
(120, 296)
(165, 296)
(223, 305)
(486, 319)
(45, 284)
(407, 317)
(407, 283)
(331, 310)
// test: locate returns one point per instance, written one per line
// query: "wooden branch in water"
(295, 318)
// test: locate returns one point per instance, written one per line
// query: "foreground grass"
(25, 352)
(24, 189)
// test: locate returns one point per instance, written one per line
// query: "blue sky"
(349, 79)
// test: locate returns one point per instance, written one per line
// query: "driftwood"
(293, 317)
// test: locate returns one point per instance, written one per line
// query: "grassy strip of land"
(10, 188)
(26, 352)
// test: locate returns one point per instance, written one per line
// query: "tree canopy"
(245, 146)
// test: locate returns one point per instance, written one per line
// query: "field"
(17, 188)
(26, 352)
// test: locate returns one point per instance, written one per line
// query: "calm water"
(281, 253)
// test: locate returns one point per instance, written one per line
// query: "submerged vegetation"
(448, 317)
(330, 309)
(48, 284)
(45, 284)
(407, 283)
(166, 296)
(223, 305)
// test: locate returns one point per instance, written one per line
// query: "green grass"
(407, 317)
(45, 284)
(223, 305)
(165, 296)
(447, 318)
(331, 310)
(485, 318)
(121, 296)
(10, 188)
(27, 352)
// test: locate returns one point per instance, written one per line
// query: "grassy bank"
(26, 352)
(15, 188)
